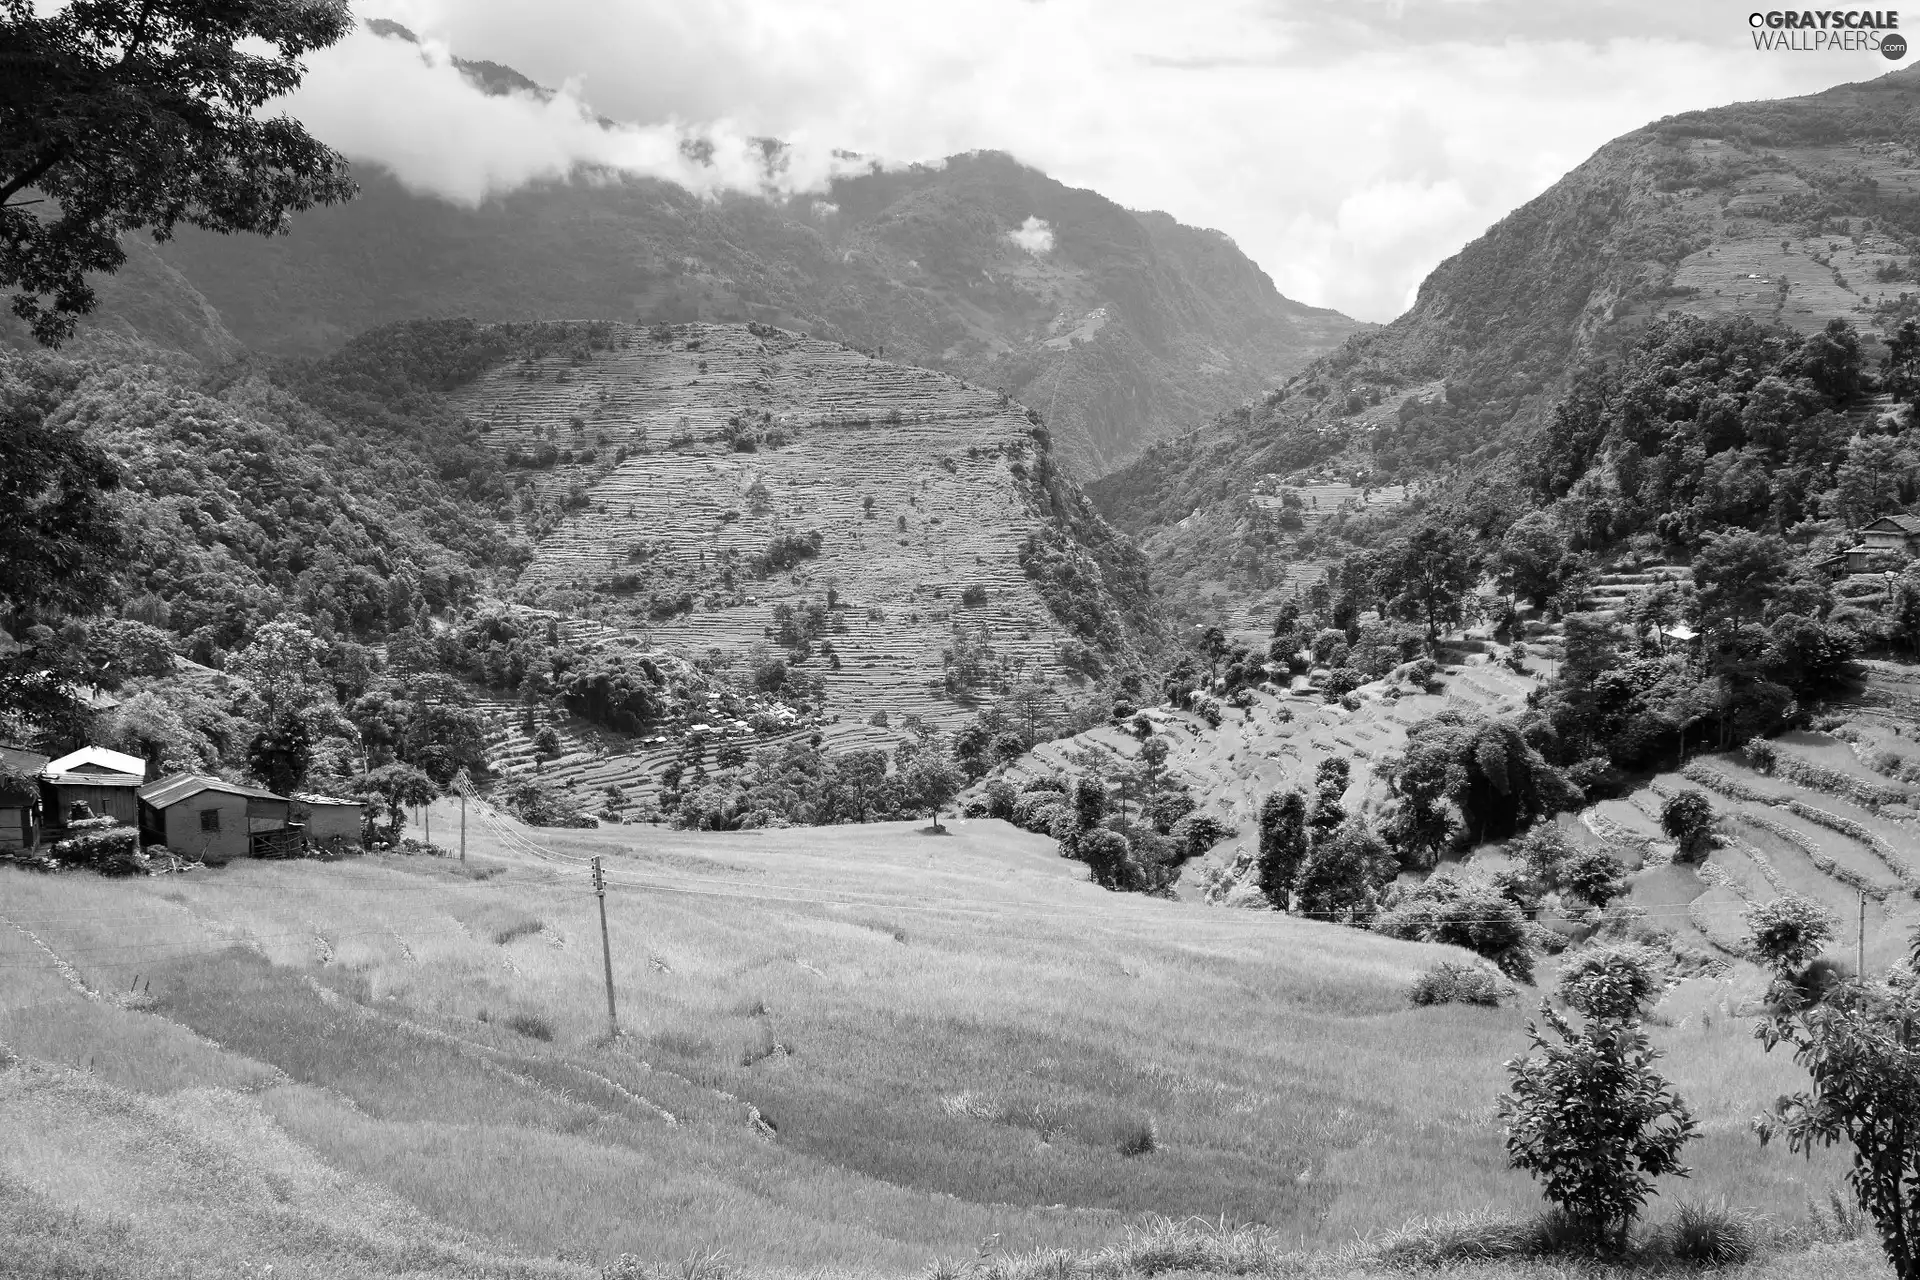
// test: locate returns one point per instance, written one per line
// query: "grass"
(1044, 1064)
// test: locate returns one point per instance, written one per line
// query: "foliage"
(1460, 912)
(130, 120)
(1587, 1115)
(1856, 1047)
(1283, 844)
(1687, 816)
(1343, 874)
(540, 805)
(1458, 982)
(1484, 770)
(1788, 932)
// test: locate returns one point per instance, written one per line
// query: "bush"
(974, 596)
(1762, 755)
(1456, 982)
(1034, 810)
(1710, 1235)
(530, 1025)
(1000, 798)
(1688, 818)
(1788, 932)
(1588, 1116)
(96, 847)
(1196, 833)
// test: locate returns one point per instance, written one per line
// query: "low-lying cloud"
(408, 107)
(1347, 149)
(1033, 235)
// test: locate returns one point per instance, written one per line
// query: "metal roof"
(21, 760)
(182, 786)
(308, 797)
(98, 758)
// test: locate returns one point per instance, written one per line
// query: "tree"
(1340, 878)
(1283, 844)
(391, 788)
(1857, 1047)
(281, 754)
(1869, 482)
(1529, 557)
(927, 774)
(1736, 572)
(1427, 574)
(1788, 932)
(1595, 875)
(1687, 816)
(125, 117)
(1588, 1116)
(282, 669)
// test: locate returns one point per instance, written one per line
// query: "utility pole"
(462, 783)
(1860, 947)
(606, 949)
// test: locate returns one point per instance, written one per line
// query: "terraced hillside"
(1279, 741)
(923, 492)
(1795, 211)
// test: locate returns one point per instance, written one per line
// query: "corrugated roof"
(98, 758)
(92, 779)
(21, 760)
(308, 797)
(182, 786)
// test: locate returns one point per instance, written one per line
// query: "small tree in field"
(1861, 1047)
(1588, 1116)
(1788, 933)
(1688, 818)
(1283, 844)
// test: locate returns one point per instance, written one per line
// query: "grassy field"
(858, 1048)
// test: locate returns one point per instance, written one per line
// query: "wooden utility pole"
(1860, 946)
(606, 949)
(461, 783)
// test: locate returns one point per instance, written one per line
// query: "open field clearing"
(855, 1047)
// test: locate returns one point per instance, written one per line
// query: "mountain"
(1793, 211)
(1122, 327)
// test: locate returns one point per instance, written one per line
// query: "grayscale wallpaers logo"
(1829, 31)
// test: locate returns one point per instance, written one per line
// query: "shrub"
(1788, 932)
(974, 596)
(1196, 833)
(1456, 982)
(1761, 754)
(1688, 818)
(1000, 798)
(1137, 1138)
(1588, 1116)
(1034, 810)
(1594, 875)
(95, 848)
(1710, 1235)
(530, 1025)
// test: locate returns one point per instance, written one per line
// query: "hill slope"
(1123, 327)
(845, 1050)
(1794, 211)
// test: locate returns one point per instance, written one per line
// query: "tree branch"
(37, 171)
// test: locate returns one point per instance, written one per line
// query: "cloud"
(1033, 235)
(1347, 149)
(409, 108)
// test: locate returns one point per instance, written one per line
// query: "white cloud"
(1034, 235)
(1346, 150)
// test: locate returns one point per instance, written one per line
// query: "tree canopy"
(126, 117)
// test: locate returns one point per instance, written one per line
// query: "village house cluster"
(195, 816)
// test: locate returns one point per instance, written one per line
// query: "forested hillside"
(1790, 213)
(1122, 327)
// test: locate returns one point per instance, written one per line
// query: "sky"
(1348, 148)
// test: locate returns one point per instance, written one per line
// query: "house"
(103, 780)
(328, 817)
(20, 797)
(1895, 535)
(213, 820)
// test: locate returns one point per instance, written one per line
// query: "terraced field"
(906, 475)
(1278, 742)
